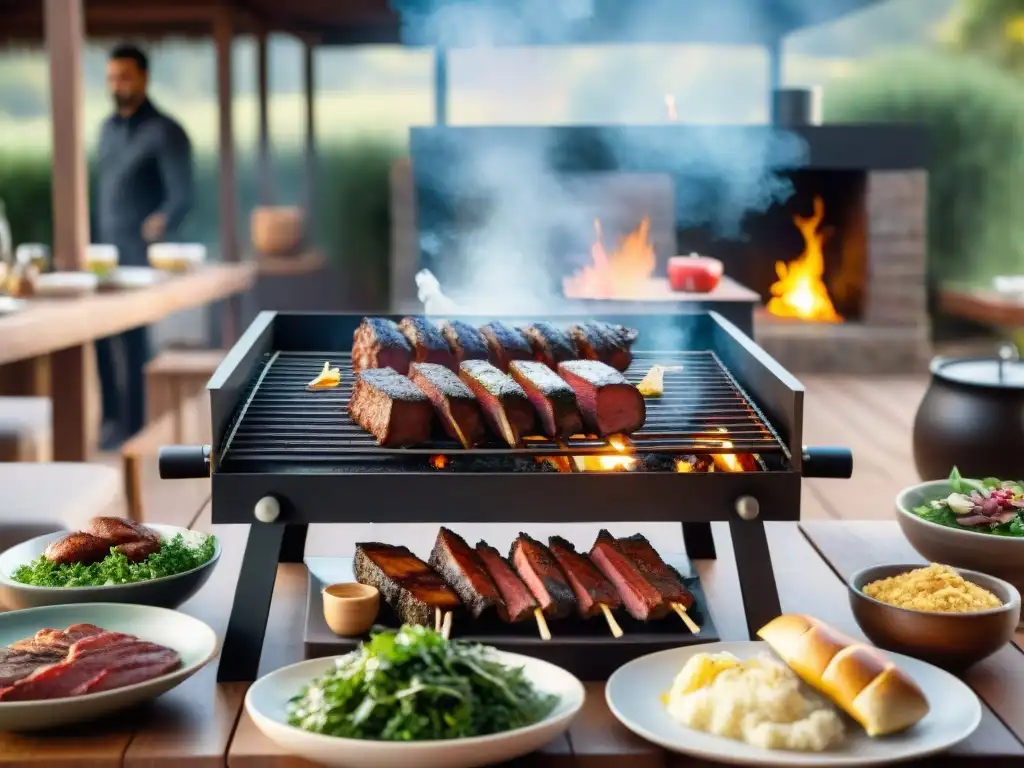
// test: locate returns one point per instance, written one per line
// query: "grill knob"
(747, 507)
(267, 509)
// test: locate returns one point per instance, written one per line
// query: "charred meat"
(463, 570)
(551, 397)
(656, 571)
(119, 531)
(591, 588)
(407, 584)
(517, 602)
(551, 345)
(47, 646)
(456, 406)
(505, 405)
(379, 343)
(391, 408)
(607, 401)
(610, 344)
(641, 598)
(506, 344)
(78, 547)
(134, 541)
(428, 345)
(465, 341)
(540, 571)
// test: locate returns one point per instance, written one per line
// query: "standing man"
(144, 191)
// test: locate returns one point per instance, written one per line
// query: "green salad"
(413, 685)
(990, 506)
(176, 556)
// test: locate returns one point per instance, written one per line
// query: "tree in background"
(990, 28)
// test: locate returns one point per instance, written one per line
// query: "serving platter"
(634, 694)
(584, 648)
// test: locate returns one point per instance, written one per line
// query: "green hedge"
(975, 115)
(352, 210)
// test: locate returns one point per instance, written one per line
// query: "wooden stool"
(172, 377)
(25, 429)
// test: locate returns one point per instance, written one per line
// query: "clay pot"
(277, 230)
(972, 417)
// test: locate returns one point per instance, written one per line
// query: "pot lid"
(1004, 372)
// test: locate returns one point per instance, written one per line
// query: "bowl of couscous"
(949, 617)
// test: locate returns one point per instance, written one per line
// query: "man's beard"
(124, 101)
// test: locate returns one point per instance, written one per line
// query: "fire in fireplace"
(625, 273)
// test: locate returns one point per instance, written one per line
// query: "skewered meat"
(379, 343)
(551, 345)
(504, 403)
(407, 584)
(428, 345)
(456, 406)
(540, 571)
(119, 531)
(518, 603)
(655, 570)
(506, 344)
(463, 571)
(607, 401)
(610, 344)
(391, 408)
(591, 588)
(465, 341)
(641, 598)
(78, 547)
(551, 397)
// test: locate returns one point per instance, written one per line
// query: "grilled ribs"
(428, 345)
(465, 341)
(551, 345)
(506, 344)
(607, 401)
(591, 588)
(610, 344)
(391, 408)
(551, 397)
(463, 571)
(657, 572)
(379, 343)
(517, 602)
(540, 571)
(504, 403)
(456, 406)
(641, 598)
(410, 586)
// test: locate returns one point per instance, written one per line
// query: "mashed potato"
(757, 700)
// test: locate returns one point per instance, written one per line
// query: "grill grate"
(282, 422)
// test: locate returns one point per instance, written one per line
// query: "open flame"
(622, 274)
(439, 462)
(800, 291)
(608, 463)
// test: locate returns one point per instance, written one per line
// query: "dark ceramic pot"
(972, 417)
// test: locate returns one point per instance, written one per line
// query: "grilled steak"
(517, 602)
(504, 403)
(551, 397)
(540, 571)
(607, 401)
(657, 572)
(17, 665)
(428, 345)
(379, 343)
(465, 341)
(456, 406)
(551, 345)
(463, 571)
(591, 588)
(78, 547)
(391, 408)
(641, 598)
(506, 344)
(407, 584)
(609, 344)
(46, 640)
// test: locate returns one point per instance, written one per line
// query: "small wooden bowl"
(350, 609)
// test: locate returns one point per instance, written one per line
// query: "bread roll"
(857, 677)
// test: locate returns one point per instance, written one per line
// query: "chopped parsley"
(175, 556)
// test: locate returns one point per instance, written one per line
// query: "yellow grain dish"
(758, 700)
(936, 588)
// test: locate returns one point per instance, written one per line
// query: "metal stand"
(293, 548)
(699, 541)
(757, 578)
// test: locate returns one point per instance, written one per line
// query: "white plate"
(9, 305)
(192, 639)
(266, 700)
(634, 696)
(133, 277)
(65, 284)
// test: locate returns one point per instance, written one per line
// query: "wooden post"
(65, 41)
(265, 168)
(223, 36)
(309, 81)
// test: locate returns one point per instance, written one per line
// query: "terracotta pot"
(278, 230)
(971, 417)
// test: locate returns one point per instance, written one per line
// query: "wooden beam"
(65, 43)
(309, 81)
(223, 36)
(266, 175)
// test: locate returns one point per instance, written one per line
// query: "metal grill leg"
(757, 578)
(243, 642)
(293, 548)
(700, 543)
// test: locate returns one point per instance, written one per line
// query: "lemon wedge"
(326, 379)
(653, 384)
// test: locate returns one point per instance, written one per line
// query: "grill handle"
(184, 462)
(828, 462)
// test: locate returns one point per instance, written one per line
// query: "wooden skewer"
(437, 619)
(690, 623)
(613, 625)
(446, 626)
(542, 624)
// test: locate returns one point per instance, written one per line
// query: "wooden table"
(202, 723)
(51, 338)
